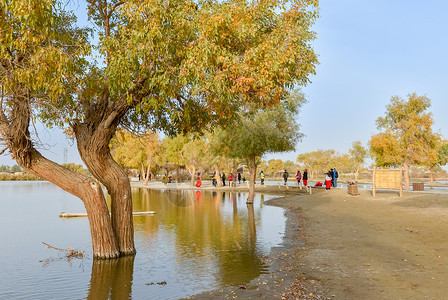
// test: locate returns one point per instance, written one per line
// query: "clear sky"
(368, 51)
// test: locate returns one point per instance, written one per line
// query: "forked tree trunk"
(253, 175)
(94, 150)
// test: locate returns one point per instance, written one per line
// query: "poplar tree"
(176, 66)
(406, 136)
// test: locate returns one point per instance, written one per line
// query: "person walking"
(298, 177)
(335, 177)
(223, 177)
(239, 178)
(214, 182)
(230, 180)
(262, 177)
(199, 181)
(285, 177)
(305, 177)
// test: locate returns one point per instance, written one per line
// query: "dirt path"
(374, 248)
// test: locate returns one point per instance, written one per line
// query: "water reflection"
(197, 241)
(111, 278)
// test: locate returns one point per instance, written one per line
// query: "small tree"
(358, 153)
(317, 162)
(261, 132)
(407, 136)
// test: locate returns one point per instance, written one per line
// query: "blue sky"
(369, 51)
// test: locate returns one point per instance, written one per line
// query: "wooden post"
(373, 183)
(287, 187)
(401, 181)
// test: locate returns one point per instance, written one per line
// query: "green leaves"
(407, 135)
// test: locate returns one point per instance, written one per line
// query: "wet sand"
(339, 246)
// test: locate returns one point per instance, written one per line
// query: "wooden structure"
(352, 188)
(84, 215)
(418, 186)
(391, 179)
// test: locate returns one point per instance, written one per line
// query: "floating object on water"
(84, 215)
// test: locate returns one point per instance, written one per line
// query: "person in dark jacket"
(335, 177)
(223, 177)
(305, 177)
(285, 176)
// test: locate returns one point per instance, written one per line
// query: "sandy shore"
(339, 246)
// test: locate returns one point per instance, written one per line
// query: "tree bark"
(148, 169)
(406, 176)
(94, 150)
(192, 176)
(253, 175)
(104, 243)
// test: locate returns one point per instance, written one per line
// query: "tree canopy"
(406, 135)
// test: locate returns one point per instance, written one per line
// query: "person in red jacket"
(305, 177)
(199, 182)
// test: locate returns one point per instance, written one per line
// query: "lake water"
(197, 241)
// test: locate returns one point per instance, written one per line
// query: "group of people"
(302, 177)
(331, 179)
(231, 178)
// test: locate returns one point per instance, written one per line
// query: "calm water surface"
(197, 241)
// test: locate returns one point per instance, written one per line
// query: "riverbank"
(338, 246)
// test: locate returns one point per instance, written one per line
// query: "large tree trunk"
(94, 150)
(218, 176)
(104, 243)
(357, 173)
(148, 169)
(253, 175)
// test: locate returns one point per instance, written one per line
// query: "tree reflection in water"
(112, 278)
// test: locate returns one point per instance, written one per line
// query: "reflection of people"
(199, 182)
(262, 177)
(198, 196)
(305, 177)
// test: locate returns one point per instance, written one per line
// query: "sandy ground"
(339, 246)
